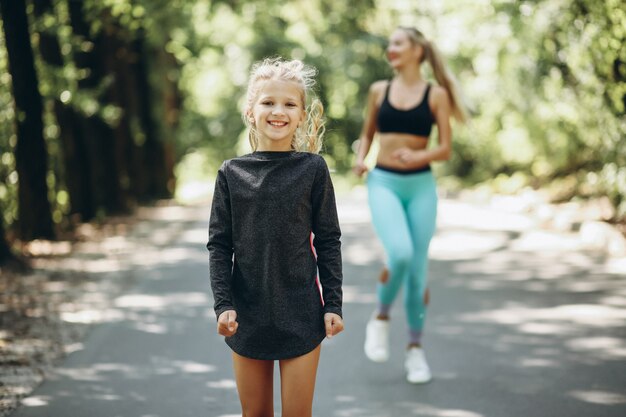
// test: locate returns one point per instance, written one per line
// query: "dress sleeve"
(220, 245)
(326, 240)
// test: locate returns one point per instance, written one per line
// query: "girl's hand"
(359, 168)
(333, 323)
(411, 158)
(227, 324)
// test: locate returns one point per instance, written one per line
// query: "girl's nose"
(278, 110)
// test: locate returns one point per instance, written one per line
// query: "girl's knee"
(258, 413)
(298, 412)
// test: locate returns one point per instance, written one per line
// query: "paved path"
(523, 322)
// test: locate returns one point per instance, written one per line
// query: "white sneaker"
(417, 370)
(377, 340)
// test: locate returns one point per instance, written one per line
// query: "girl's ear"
(302, 119)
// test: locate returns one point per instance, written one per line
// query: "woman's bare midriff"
(390, 142)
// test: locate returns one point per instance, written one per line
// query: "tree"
(154, 164)
(35, 218)
(101, 146)
(8, 259)
(577, 85)
(76, 161)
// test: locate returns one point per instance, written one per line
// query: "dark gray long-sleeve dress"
(266, 208)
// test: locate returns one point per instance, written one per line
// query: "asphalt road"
(524, 322)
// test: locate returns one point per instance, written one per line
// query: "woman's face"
(401, 51)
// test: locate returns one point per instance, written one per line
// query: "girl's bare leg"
(255, 384)
(297, 384)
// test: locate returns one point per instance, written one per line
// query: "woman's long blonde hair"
(308, 137)
(440, 70)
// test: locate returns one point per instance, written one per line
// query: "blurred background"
(109, 104)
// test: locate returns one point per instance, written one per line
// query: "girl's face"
(277, 112)
(401, 51)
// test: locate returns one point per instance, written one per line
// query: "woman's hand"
(227, 323)
(333, 323)
(411, 158)
(359, 168)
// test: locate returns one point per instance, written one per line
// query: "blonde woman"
(401, 188)
(273, 225)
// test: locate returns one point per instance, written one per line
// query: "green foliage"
(572, 55)
(225, 40)
(545, 80)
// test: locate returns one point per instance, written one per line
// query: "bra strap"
(427, 92)
(387, 90)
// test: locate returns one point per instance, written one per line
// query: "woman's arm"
(369, 125)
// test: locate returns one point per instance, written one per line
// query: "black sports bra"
(415, 121)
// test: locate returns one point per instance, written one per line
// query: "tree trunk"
(153, 149)
(115, 55)
(6, 255)
(105, 178)
(8, 259)
(172, 105)
(77, 173)
(31, 158)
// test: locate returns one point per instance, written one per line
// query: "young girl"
(273, 226)
(401, 188)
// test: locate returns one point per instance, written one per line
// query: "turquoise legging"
(404, 213)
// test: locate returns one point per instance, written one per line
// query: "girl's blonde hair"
(308, 137)
(442, 75)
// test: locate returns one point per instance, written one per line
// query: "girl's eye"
(266, 103)
(292, 104)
